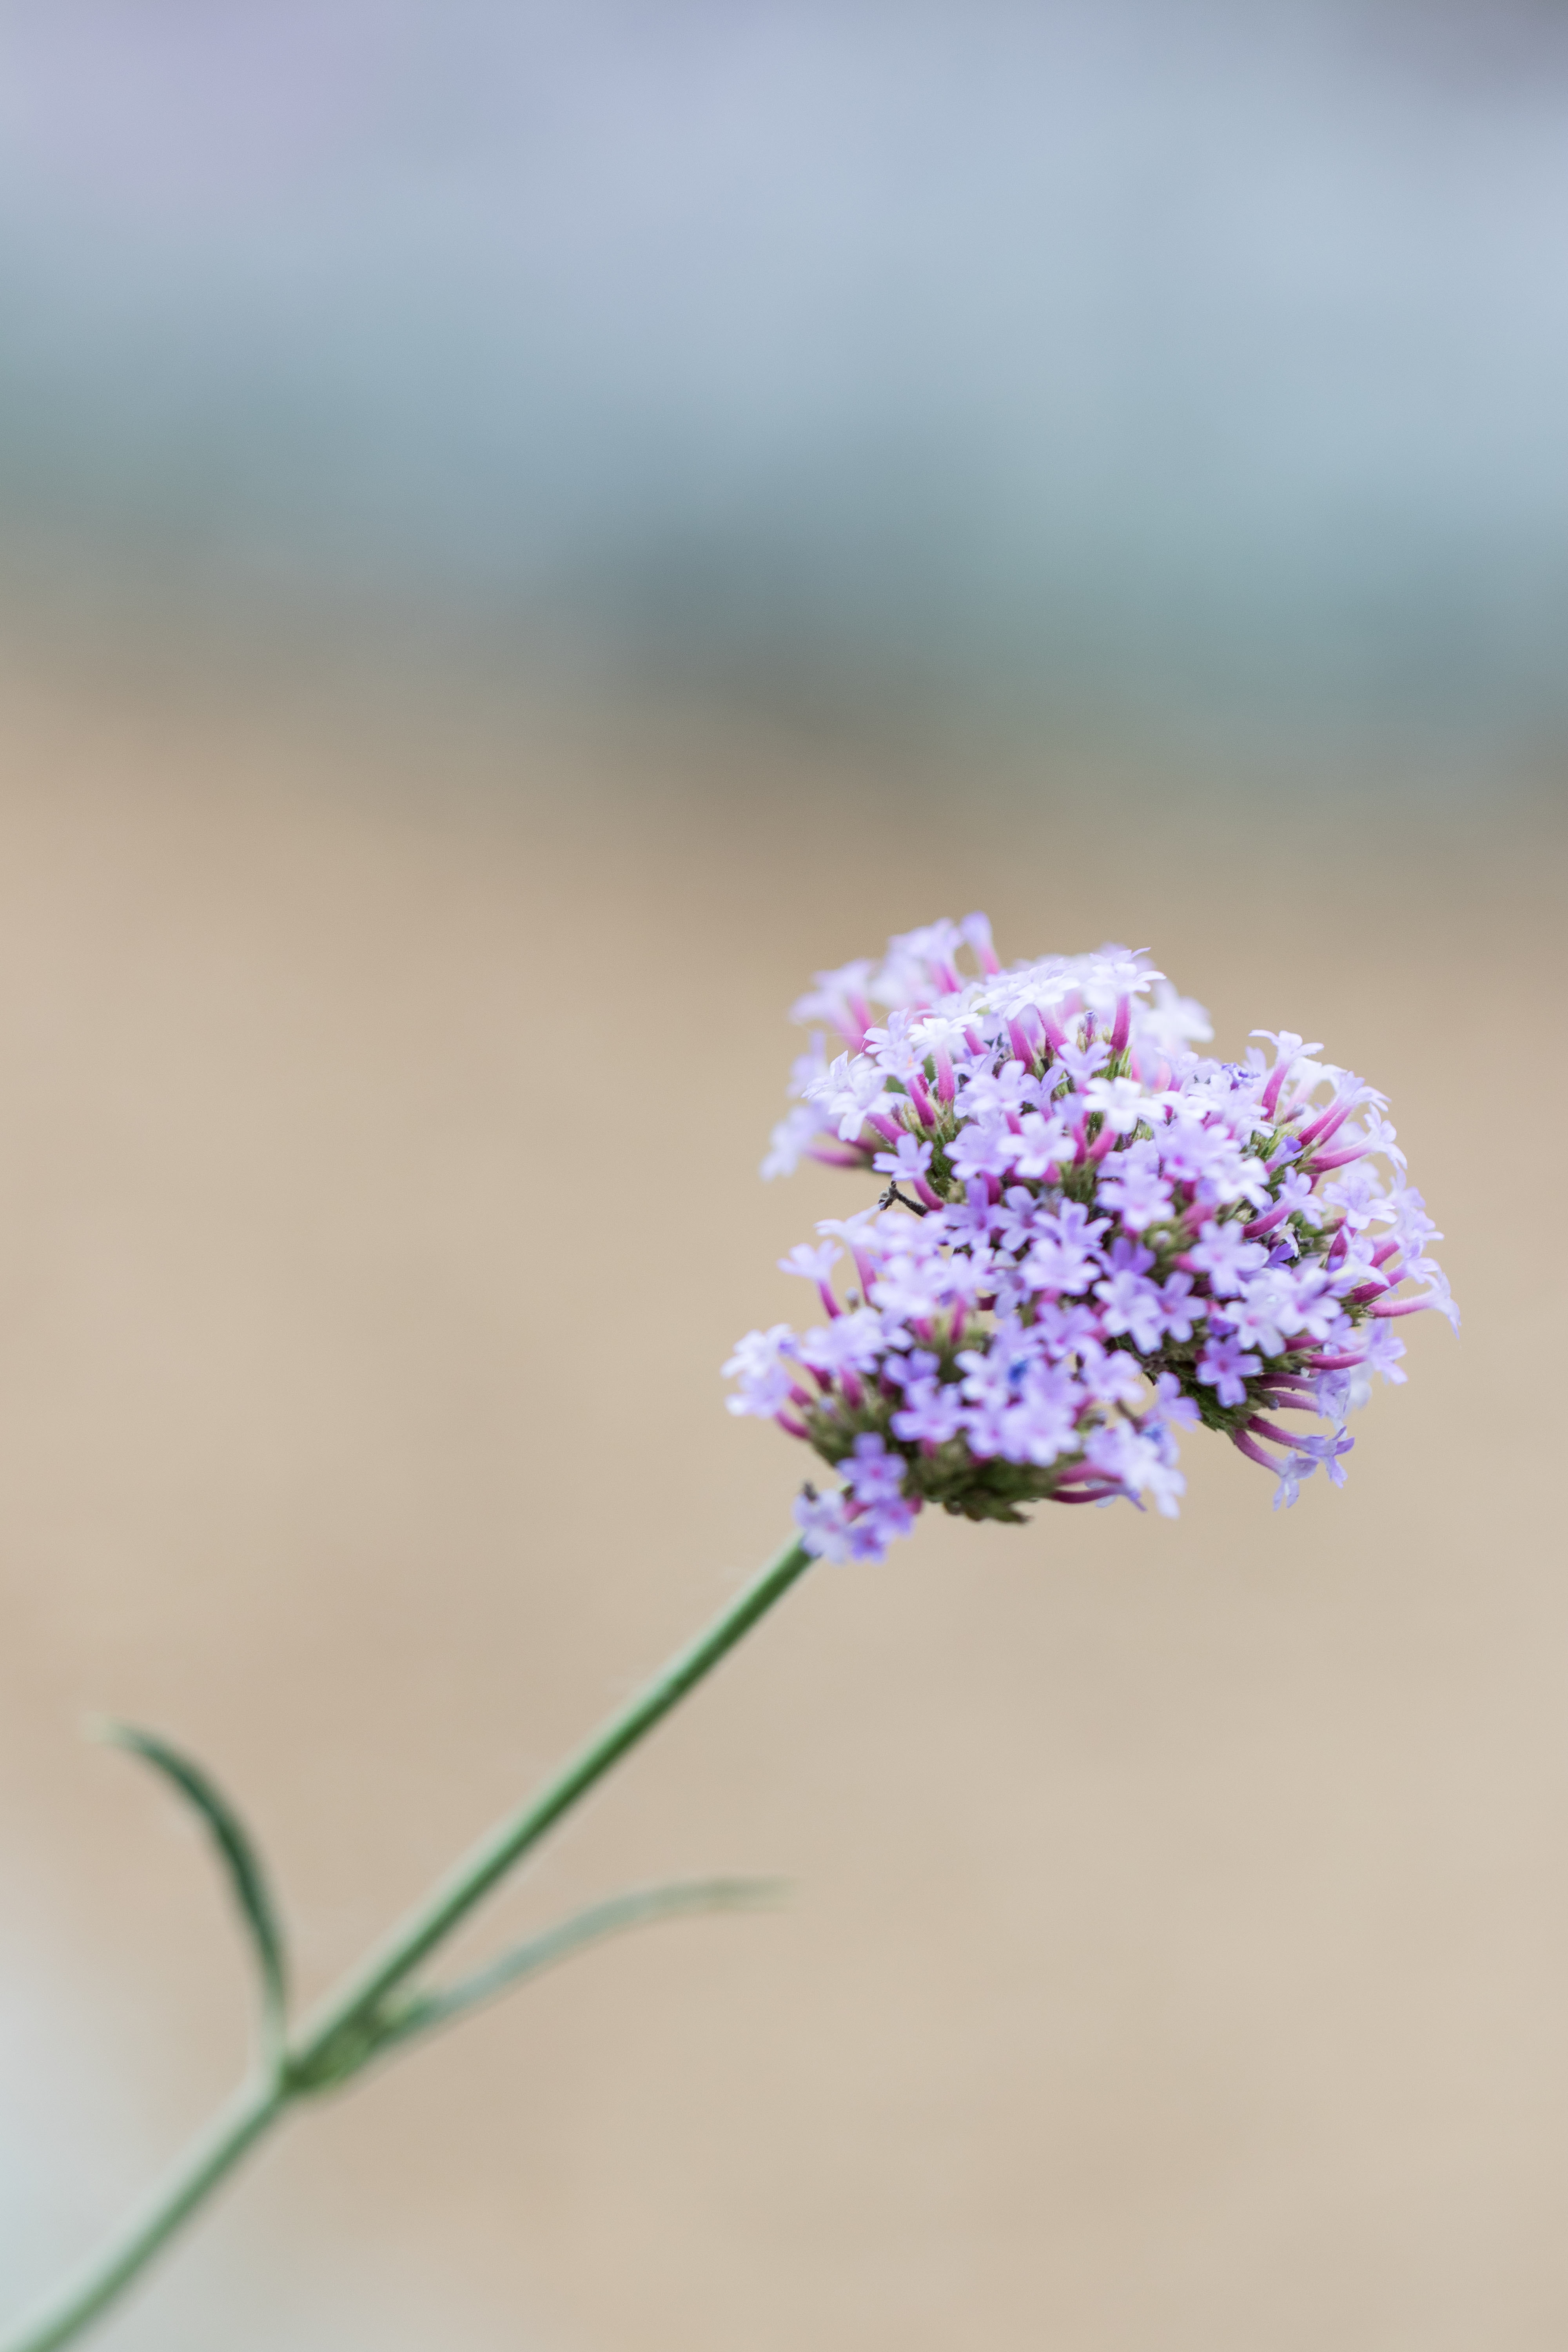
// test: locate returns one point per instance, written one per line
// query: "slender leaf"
(242, 1865)
(640, 1908)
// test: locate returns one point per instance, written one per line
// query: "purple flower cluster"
(1091, 1236)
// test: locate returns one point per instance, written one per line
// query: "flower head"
(1093, 1237)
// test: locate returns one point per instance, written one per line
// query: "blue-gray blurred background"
(1188, 371)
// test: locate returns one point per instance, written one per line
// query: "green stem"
(342, 2033)
(254, 2111)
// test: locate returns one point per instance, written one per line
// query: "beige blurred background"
(1180, 1925)
(524, 530)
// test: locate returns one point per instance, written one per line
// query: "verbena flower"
(1092, 1237)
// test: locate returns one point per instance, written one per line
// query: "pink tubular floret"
(1276, 1081)
(1265, 1223)
(1328, 1122)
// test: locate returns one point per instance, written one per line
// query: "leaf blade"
(242, 1865)
(643, 1906)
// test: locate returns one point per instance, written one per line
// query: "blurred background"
(523, 532)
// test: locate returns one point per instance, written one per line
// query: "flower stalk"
(1092, 1237)
(376, 2010)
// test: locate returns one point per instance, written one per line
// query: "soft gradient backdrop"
(526, 532)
